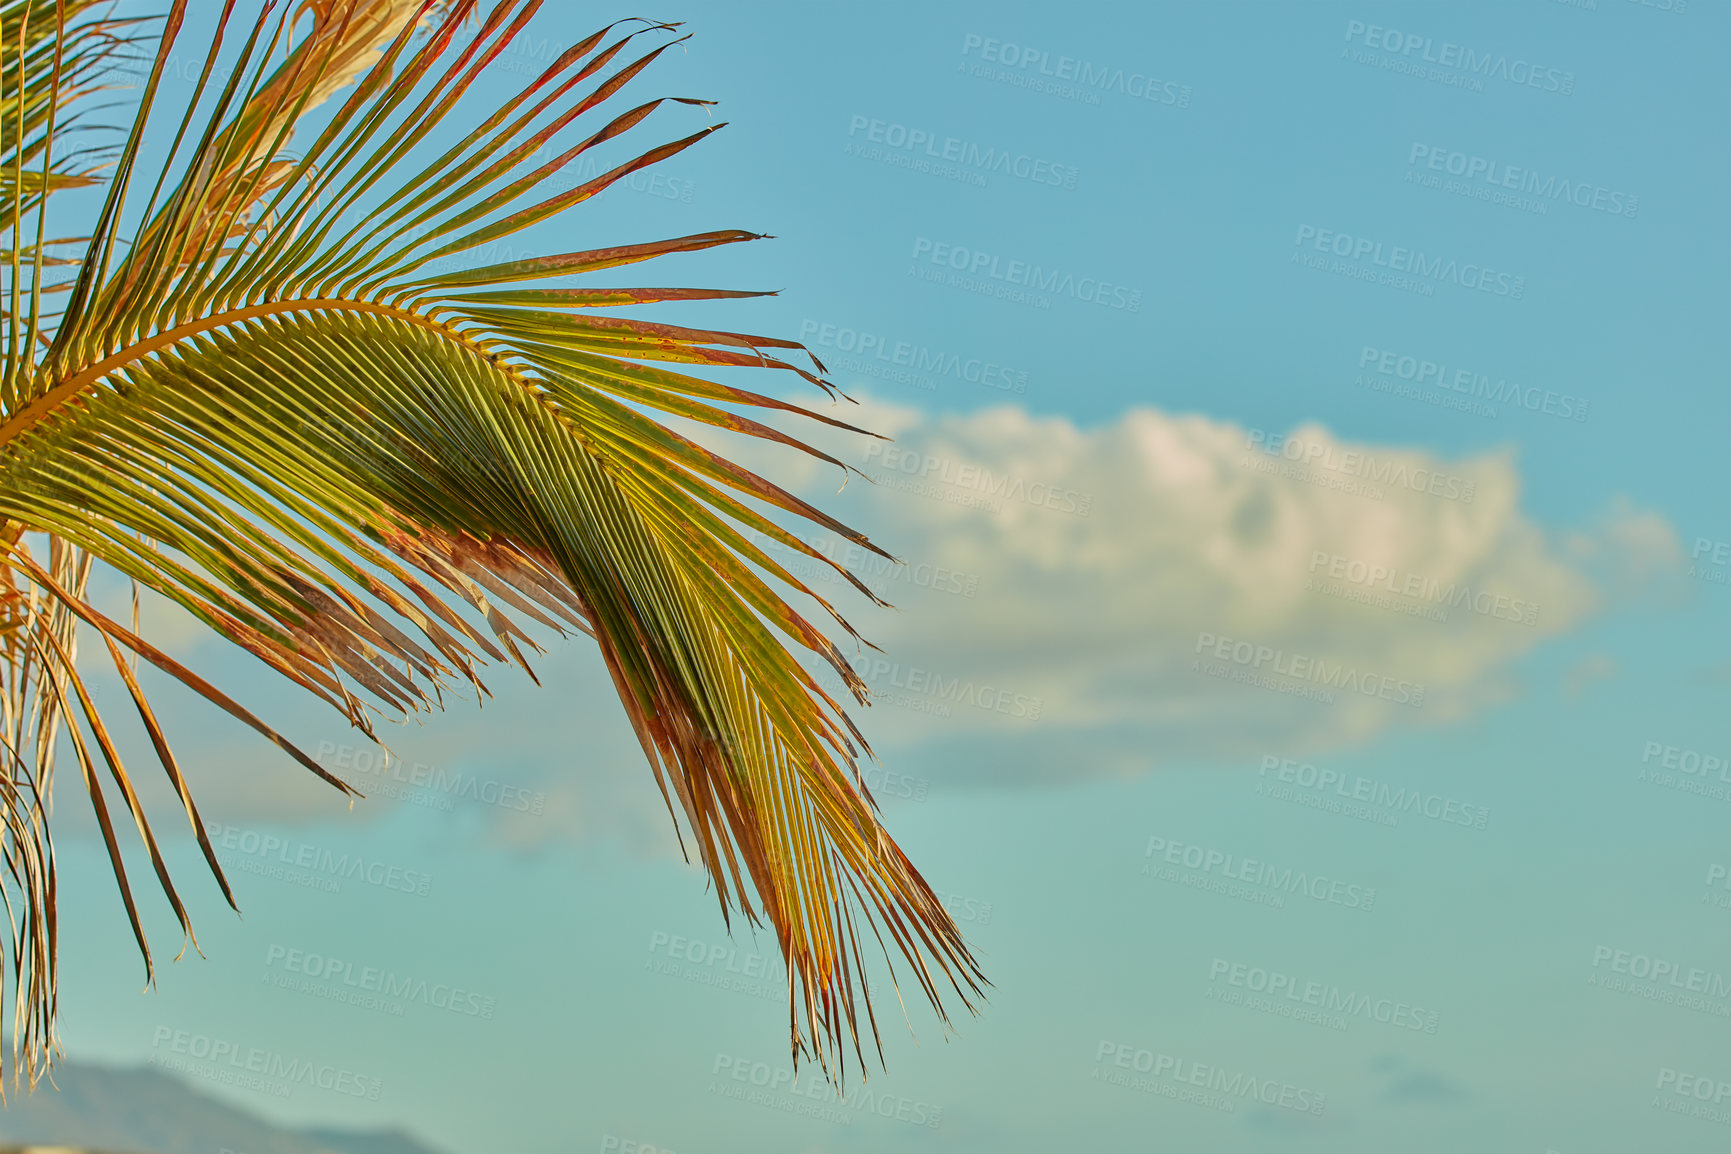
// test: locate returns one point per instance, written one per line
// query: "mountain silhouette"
(141, 1110)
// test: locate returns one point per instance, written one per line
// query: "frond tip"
(305, 402)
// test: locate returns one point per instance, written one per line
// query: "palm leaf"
(277, 405)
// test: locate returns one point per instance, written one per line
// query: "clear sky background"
(1061, 839)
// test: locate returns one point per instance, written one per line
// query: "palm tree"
(288, 396)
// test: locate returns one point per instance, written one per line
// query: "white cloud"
(1189, 530)
(1072, 571)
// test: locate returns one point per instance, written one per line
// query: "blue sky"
(1063, 840)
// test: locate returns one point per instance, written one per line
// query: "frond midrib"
(42, 407)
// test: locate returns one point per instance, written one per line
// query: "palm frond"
(53, 55)
(279, 406)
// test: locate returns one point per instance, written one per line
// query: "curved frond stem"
(307, 402)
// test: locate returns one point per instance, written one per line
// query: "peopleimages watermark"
(907, 362)
(915, 702)
(529, 54)
(950, 690)
(1679, 1092)
(1022, 281)
(1483, 178)
(1467, 386)
(1285, 996)
(975, 484)
(1217, 871)
(1674, 7)
(614, 1144)
(1067, 77)
(1409, 269)
(650, 182)
(1377, 584)
(304, 863)
(1303, 669)
(177, 67)
(877, 573)
(950, 157)
(253, 1067)
(1446, 62)
(1717, 554)
(583, 168)
(888, 783)
(338, 979)
(1375, 600)
(880, 573)
(966, 909)
(425, 780)
(1717, 878)
(721, 965)
(1366, 798)
(777, 1088)
(1199, 1083)
(1357, 471)
(1661, 980)
(1687, 770)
